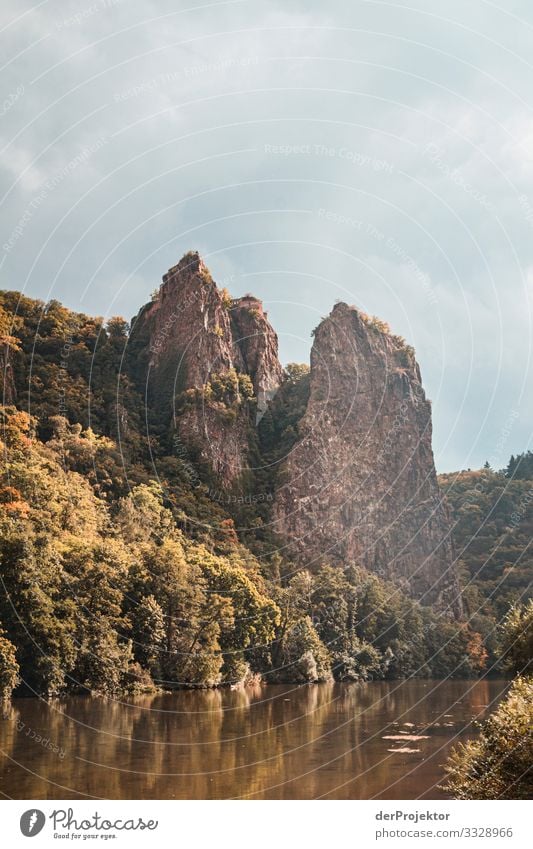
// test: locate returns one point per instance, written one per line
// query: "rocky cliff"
(258, 345)
(360, 482)
(209, 361)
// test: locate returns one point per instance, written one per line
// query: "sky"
(379, 153)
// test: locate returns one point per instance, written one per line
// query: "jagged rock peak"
(190, 262)
(194, 337)
(361, 482)
(191, 266)
(241, 324)
(258, 344)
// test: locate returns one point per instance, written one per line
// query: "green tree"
(148, 632)
(190, 649)
(303, 658)
(492, 516)
(517, 638)
(521, 467)
(97, 575)
(251, 627)
(142, 516)
(37, 616)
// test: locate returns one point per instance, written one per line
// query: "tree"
(303, 656)
(189, 651)
(142, 516)
(96, 582)
(295, 371)
(33, 609)
(117, 328)
(492, 517)
(517, 638)
(362, 663)
(498, 765)
(148, 631)
(254, 616)
(334, 607)
(9, 668)
(520, 467)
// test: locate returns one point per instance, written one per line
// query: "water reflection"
(269, 742)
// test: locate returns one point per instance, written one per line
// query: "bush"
(9, 669)
(305, 659)
(498, 764)
(364, 663)
(517, 642)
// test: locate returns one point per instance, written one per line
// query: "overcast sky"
(374, 152)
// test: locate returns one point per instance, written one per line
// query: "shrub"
(227, 301)
(305, 659)
(9, 669)
(517, 642)
(498, 764)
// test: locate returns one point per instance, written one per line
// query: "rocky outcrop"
(258, 344)
(186, 329)
(360, 482)
(203, 356)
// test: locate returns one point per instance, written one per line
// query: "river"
(333, 741)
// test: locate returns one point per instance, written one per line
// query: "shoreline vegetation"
(108, 594)
(499, 763)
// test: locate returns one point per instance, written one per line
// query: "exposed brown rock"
(361, 482)
(258, 344)
(189, 318)
(192, 334)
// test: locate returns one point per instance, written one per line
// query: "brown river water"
(270, 742)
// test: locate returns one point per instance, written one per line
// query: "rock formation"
(258, 345)
(360, 483)
(197, 350)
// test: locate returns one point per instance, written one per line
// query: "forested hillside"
(493, 533)
(123, 566)
(108, 594)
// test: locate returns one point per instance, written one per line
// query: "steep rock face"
(360, 482)
(193, 346)
(186, 328)
(258, 344)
